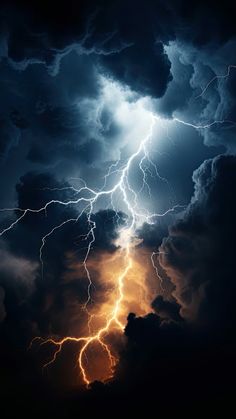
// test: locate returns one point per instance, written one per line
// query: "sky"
(117, 206)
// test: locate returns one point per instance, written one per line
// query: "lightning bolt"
(217, 77)
(89, 197)
(97, 337)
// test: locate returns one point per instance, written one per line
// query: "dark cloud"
(152, 234)
(2, 306)
(35, 33)
(128, 67)
(199, 253)
(50, 301)
(168, 310)
(164, 361)
(42, 110)
(91, 151)
(215, 18)
(182, 73)
(10, 137)
(69, 22)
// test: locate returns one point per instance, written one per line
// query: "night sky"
(117, 207)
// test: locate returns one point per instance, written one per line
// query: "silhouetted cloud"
(198, 254)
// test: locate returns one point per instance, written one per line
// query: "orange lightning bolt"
(112, 322)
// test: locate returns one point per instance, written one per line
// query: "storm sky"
(80, 82)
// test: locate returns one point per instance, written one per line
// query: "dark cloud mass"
(78, 81)
(127, 66)
(198, 254)
(195, 338)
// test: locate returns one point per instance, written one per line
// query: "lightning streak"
(97, 337)
(217, 77)
(88, 198)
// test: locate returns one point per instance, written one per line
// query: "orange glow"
(126, 287)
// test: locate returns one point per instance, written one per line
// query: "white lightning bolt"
(88, 197)
(217, 77)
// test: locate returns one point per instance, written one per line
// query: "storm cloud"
(80, 81)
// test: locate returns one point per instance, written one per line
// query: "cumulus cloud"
(202, 90)
(198, 253)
